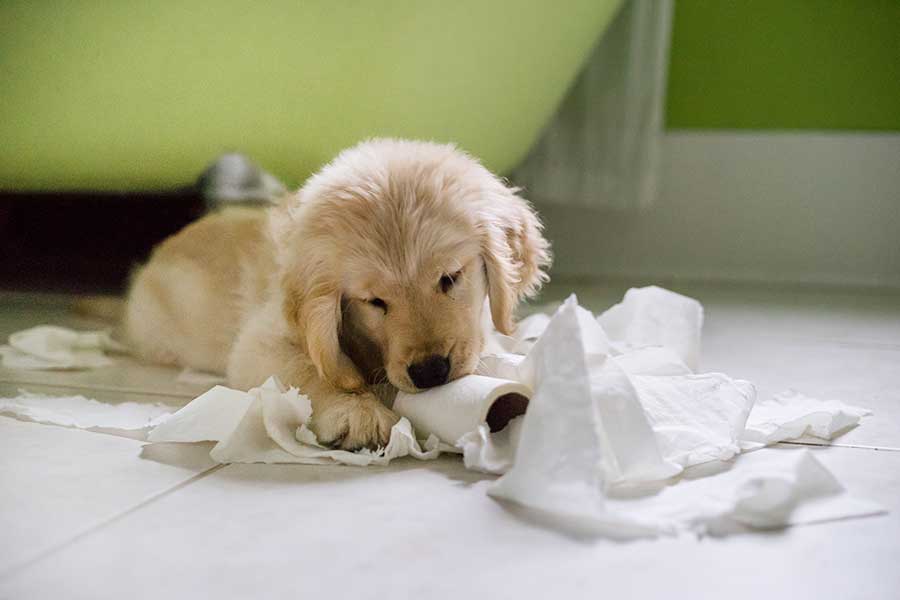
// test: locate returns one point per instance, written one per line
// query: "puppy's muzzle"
(431, 372)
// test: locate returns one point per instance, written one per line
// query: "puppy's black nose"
(430, 372)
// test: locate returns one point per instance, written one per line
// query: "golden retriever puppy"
(376, 271)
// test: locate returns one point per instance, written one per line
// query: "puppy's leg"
(341, 418)
(351, 421)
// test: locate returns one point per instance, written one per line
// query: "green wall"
(785, 64)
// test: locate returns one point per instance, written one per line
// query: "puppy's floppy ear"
(312, 300)
(514, 251)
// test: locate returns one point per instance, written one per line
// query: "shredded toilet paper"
(583, 441)
(696, 418)
(47, 347)
(653, 316)
(128, 419)
(761, 490)
(791, 415)
(269, 424)
(488, 452)
(618, 438)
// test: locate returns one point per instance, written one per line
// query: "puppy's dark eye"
(448, 281)
(379, 303)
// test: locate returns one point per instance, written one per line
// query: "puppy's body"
(375, 271)
(189, 302)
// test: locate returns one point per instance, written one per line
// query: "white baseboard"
(806, 208)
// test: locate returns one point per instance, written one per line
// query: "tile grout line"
(14, 569)
(852, 446)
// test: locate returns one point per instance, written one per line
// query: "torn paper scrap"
(654, 360)
(790, 415)
(51, 347)
(696, 418)
(775, 488)
(128, 419)
(269, 424)
(654, 414)
(557, 460)
(452, 410)
(775, 491)
(531, 327)
(210, 417)
(570, 447)
(489, 452)
(623, 430)
(653, 316)
(527, 332)
(251, 443)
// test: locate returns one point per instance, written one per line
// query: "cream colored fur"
(292, 291)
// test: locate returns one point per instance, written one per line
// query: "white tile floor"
(85, 515)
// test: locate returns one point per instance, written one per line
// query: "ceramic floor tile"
(58, 483)
(428, 530)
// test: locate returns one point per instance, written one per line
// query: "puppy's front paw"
(353, 421)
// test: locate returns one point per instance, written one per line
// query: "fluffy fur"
(381, 260)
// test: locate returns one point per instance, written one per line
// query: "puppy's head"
(386, 256)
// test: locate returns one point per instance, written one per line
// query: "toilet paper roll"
(454, 409)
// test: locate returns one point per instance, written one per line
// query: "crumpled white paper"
(653, 316)
(128, 419)
(585, 438)
(268, 424)
(662, 416)
(763, 490)
(647, 317)
(695, 417)
(48, 347)
(568, 452)
(489, 452)
(791, 415)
